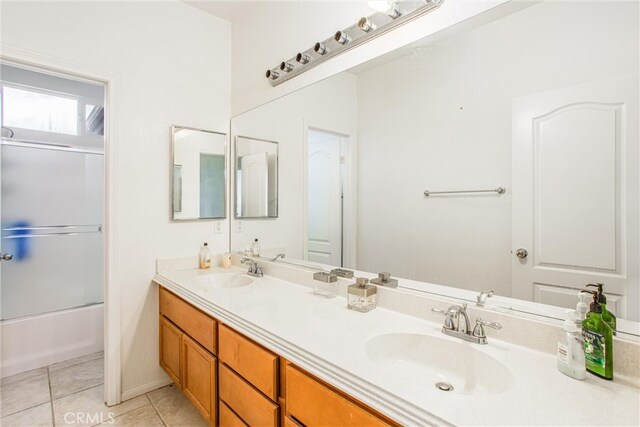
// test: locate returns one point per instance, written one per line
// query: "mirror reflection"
(198, 174)
(547, 112)
(256, 178)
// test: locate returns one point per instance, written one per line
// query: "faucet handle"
(448, 316)
(478, 331)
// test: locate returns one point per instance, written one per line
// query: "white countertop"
(325, 338)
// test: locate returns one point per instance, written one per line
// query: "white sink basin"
(426, 360)
(222, 280)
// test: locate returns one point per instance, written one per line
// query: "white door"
(324, 194)
(255, 185)
(575, 193)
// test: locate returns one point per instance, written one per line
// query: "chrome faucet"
(482, 298)
(255, 269)
(455, 328)
(274, 259)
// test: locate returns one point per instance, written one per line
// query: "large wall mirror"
(541, 101)
(256, 178)
(198, 174)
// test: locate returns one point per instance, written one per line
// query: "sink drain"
(444, 386)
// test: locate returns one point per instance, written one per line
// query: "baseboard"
(145, 388)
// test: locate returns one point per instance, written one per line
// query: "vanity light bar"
(367, 28)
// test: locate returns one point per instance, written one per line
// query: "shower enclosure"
(51, 215)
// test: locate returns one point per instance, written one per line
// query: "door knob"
(6, 257)
(521, 253)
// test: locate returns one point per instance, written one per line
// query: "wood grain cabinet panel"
(288, 422)
(252, 362)
(247, 402)
(314, 404)
(192, 321)
(170, 337)
(199, 378)
(228, 418)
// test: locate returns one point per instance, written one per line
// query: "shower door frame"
(110, 80)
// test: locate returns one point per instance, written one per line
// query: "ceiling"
(229, 10)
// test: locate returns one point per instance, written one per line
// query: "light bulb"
(381, 6)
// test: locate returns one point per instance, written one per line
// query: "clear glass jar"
(362, 296)
(326, 290)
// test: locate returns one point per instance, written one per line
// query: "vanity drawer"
(254, 363)
(247, 402)
(315, 404)
(228, 418)
(195, 323)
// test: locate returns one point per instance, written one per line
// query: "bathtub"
(36, 341)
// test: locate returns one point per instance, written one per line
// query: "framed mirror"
(256, 178)
(198, 174)
(497, 154)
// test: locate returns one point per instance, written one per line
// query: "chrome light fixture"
(303, 58)
(389, 14)
(286, 66)
(366, 25)
(320, 49)
(342, 37)
(271, 74)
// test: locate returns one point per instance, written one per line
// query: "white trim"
(145, 388)
(111, 81)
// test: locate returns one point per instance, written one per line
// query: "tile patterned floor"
(70, 393)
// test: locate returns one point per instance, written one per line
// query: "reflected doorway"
(326, 153)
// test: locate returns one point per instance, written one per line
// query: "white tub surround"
(521, 385)
(36, 341)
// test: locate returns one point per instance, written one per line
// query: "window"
(94, 119)
(35, 110)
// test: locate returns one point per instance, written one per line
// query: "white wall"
(450, 106)
(273, 31)
(328, 105)
(173, 67)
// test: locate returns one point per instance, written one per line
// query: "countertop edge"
(379, 399)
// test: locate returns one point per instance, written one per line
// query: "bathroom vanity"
(233, 381)
(266, 351)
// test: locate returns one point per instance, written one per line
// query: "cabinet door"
(199, 378)
(170, 337)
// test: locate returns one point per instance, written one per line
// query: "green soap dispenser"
(598, 341)
(607, 316)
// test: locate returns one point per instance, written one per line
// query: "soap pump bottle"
(255, 248)
(205, 257)
(607, 316)
(571, 349)
(582, 308)
(598, 341)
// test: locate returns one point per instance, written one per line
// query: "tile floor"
(70, 393)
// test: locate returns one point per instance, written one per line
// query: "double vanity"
(267, 351)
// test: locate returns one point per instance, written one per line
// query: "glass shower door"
(52, 216)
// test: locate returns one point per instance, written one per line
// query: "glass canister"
(362, 296)
(325, 284)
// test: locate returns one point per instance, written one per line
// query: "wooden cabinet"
(246, 385)
(254, 408)
(192, 321)
(228, 418)
(199, 378)
(314, 403)
(254, 363)
(170, 338)
(187, 345)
